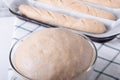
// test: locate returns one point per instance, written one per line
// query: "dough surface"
(62, 20)
(77, 6)
(53, 54)
(108, 3)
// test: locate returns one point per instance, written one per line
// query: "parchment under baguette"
(77, 6)
(58, 19)
(108, 3)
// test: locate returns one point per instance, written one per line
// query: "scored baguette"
(77, 6)
(58, 19)
(108, 3)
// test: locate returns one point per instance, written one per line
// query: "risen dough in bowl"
(53, 54)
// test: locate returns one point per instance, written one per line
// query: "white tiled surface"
(101, 64)
(115, 44)
(21, 33)
(104, 77)
(117, 60)
(113, 69)
(31, 27)
(107, 53)
(107, 66)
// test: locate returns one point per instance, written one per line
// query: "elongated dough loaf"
(77, 6)
(58, 19)
(108, 3)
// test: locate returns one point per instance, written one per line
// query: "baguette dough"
(108, 3)
(77, 6)
(53, 54)
(58, 19)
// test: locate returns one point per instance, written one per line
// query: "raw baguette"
(108, 3)
(58, 19)
(77, 6)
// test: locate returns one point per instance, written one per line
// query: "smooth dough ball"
(53, 54)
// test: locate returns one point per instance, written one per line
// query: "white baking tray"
(115, 11)
(113, 27)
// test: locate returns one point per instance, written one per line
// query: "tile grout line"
(17, 26)
(108, 60)
(111, 47)
(106, 74)
(24, 29)
(100, 47)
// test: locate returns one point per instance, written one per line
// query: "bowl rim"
(25, 77)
